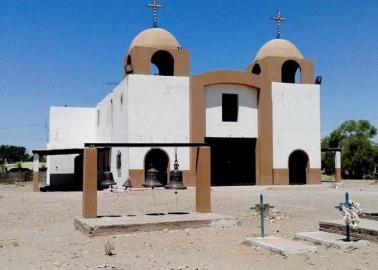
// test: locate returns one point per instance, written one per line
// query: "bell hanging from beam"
(152, 178)
(175, 177)
(127, 184)
(108, 180)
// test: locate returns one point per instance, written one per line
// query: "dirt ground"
(36, 229)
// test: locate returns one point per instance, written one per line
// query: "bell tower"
(155, 51)
(279, 60)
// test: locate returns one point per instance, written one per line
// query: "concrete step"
(146, 223)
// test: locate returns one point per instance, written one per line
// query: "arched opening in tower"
(256, 69)
(159, 160)
(291, 72)
(298, 167)
(162, 63)
(128, 67)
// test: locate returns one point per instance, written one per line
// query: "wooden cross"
(154, 6)
(279, 19)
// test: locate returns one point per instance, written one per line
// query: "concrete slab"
(330, 240)
(146, 223)
(281, 246)
(366, 230)
(370, 215)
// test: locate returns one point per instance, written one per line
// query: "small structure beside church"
(262, 124)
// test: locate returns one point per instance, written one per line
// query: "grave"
(352, 225)
(367, 229)
(281, 246)
(330, 240)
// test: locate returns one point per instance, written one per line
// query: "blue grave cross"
(348, 205)
(262, 208)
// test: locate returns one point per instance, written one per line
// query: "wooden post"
(337, 166)
(203, 180)
(35, 172)
(90, 183)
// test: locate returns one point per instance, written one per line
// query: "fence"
(11, 177)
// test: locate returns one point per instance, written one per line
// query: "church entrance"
(298, 164)
(232, 161)
(158, 159)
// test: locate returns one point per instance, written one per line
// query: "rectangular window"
(98, 117)
(230, 107)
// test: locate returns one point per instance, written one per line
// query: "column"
(203, 180)
(90, 183)
(35, 172)
(337, 166)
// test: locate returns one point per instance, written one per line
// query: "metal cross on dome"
(154, 6)
(279, 19)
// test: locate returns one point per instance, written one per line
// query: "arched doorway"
(298, 166)
(291, 72)
(158, 159)
(162, 63)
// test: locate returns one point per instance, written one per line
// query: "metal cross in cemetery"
(154, 6)
(262, 209)
(348, 205)
(279, 19)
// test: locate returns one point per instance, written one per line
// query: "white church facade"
(262, 124)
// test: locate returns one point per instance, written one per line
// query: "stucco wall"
(158, 113)
(296, 122)
(68, 128)
(247, 124)
(111, 126)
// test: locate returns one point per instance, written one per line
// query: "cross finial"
(278, 18)
(154, 6)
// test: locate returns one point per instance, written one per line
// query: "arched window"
(164, 64)
(298, 165)
(256, 69)
(128, 67)
(159, 160)
(291, 72)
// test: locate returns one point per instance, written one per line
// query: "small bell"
(152, 178)
(108, 180)
(127, 184)
(175, 177)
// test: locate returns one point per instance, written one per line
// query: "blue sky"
(55, 52)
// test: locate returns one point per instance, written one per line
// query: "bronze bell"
(127, 184)
(175, 178)
(108, 180)
(152, 178)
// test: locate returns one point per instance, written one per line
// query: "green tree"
(13, 153)
(358, 149)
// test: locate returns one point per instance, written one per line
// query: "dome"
(156, 38)
(279, 48)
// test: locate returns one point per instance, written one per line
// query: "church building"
(262, 123)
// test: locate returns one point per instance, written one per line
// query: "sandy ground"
(36, 230)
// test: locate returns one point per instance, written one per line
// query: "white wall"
(111, 125)
(158, 113)
(247, 124)
(68, 128)
(296, 122)
(155, 109)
